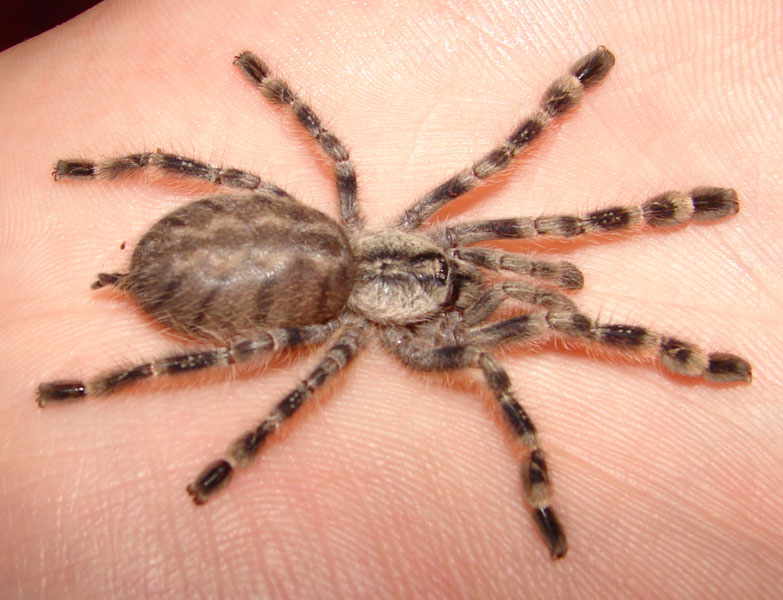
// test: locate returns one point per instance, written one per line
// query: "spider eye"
(442, 273)
(430, 266)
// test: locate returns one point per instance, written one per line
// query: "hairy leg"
(166, 164)
(267, 342)
(561, 273)
(278, 91)
(535, 474)
(665, 210)
(244, 449)
(563, 94)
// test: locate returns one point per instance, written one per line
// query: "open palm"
(390, 485)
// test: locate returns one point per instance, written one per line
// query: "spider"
(257, 272)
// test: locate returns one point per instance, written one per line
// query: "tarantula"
(258, 272)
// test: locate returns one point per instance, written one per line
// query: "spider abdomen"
(226, 266)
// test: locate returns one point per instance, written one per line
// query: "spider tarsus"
(73, 169)
(713, 203)
(551, 530)
(726, 368)
(571, 278)
(104, 279)
(211, 479)
(252, 66)
(60, 390)
(566, 91)
(591, 68)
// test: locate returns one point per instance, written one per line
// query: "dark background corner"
(20, 20)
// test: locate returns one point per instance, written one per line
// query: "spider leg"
(279, 92)
(535, 475)
(678, 356)
(493, 296)
(416, 351)
(665, 210)
(174, 364)
(562, 273)
(168, 164)
(104, 279)
(242, 451)
(563, 94)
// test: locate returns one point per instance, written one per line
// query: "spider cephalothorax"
(258, 271)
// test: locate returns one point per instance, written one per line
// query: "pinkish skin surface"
(391, 485)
